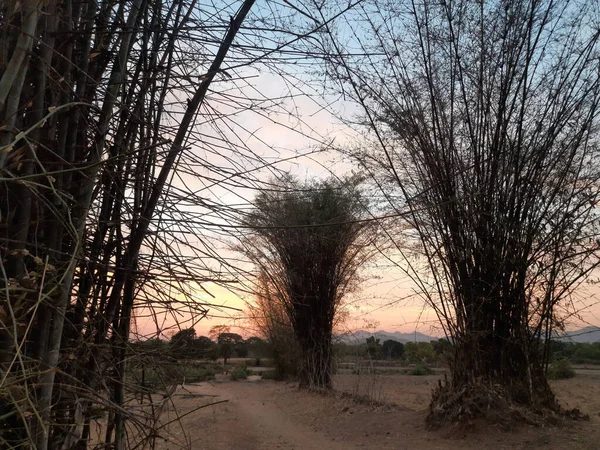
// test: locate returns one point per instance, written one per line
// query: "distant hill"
(587, 334)
(360, 337)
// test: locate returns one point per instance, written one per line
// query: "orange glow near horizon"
(377, 307)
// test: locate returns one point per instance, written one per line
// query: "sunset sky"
(388, 300)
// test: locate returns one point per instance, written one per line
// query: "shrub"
(420, 370)
(418, 352)
(198, 373)
(560, 369)
(269, 375)
(239, 373)
(158, 376)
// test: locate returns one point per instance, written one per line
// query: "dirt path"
(248, 420)
(261, 415)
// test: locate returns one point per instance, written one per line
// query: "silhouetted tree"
(204, 347)
(257, 347)
(228, 344)
(392, 349)
(308, 242)
(182, 343)
(374, 347)
(484, 121)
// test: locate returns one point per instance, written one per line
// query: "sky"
(386, 301)
(302, 122)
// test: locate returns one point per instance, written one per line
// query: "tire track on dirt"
(250, 419)
(264, 425)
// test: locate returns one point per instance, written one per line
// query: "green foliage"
(585, 352)
(185, 345)
(343, 350)
(286, 360)
(158, 375)
(443, 348)
(392, 349)
(419, 352)
(374, 348)
(576, 352)
(420, 370)
(203, 348)
(150, 347)
(203, 344)
(241, 350)
(560, 369)
(238, 373)
(195, 374)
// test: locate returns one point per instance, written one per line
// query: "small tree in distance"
(309, 242)
(392, 349)
(204, 348)
(419, 352)
(227, 342)
(185, 345)
(257, 347)
(374, 348)
(182, 343)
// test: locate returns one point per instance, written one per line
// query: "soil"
(382, 411)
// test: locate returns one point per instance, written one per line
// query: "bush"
(239, 373)
(420, 370)
(158, 375)
(560, 369)
(194, 374)
(419, 352)
(269, 375)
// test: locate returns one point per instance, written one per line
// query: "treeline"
(576, 352)
(439, 350)
(186, 345)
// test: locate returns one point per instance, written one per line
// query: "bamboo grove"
(483, 120)
(117, 123)
(309, 242)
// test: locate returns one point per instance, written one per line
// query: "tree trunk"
(315, 369)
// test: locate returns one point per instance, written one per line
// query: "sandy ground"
(257, 414)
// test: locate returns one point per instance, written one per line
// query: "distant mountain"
(360, 336)
(587, 334)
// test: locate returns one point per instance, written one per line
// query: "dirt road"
(248, 419)
(260, 415)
